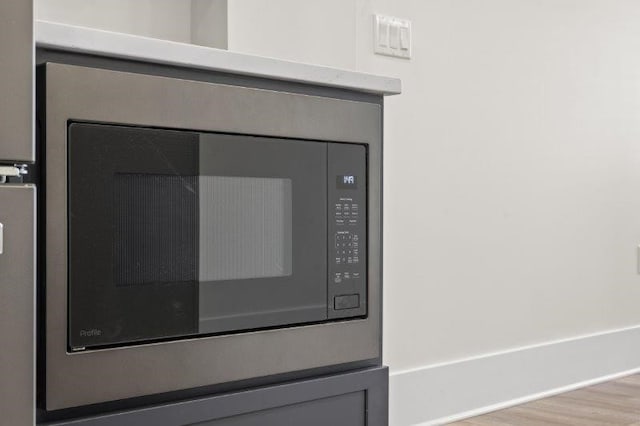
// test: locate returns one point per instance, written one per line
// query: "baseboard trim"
(442, 393)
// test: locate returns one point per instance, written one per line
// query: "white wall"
(318, 32)
(514, 154)
(209, 23)
(165, 19)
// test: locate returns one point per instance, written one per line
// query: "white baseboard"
(443, 393)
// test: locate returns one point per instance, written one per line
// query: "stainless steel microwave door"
(175, 233)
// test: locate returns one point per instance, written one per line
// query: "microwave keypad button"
(347, 301)
(339, 277)
(347, 248)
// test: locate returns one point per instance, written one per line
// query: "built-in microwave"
(198, 233)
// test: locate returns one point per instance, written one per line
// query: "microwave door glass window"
(155, 229)
(245, 228)
(171, 229)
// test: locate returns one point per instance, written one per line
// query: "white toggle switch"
(392, 36)
(404, 38)
(383, 34)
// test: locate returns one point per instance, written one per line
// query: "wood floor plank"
(634, 379)
(614, 403)
(488, 421)
(614, 389)
(584, 413)
(524, 417)
(598, 401)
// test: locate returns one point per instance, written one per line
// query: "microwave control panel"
(347, 245)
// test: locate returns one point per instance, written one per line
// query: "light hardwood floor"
(611, 403)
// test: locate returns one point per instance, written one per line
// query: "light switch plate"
(392, 36)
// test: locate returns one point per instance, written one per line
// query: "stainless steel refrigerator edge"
(17, 216)
(74, 379)
(16, 84)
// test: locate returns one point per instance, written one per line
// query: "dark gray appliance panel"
(347, 237)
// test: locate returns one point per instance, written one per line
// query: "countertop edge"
(106, 43)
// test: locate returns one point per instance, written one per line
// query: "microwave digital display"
(347, 182)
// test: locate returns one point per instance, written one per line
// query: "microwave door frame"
(174, 281)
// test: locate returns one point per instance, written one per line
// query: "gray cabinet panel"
(341, 410)
(16, 84)
(17, 284)
(353, 398)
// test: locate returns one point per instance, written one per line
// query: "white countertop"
(119, 45)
